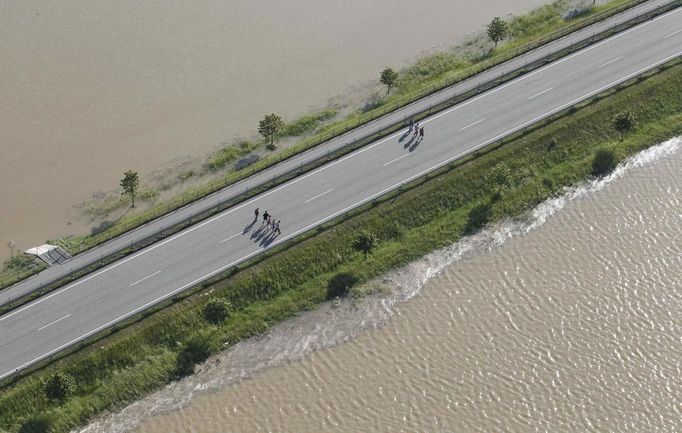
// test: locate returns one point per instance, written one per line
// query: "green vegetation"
(216, 310)
(389, 78)
(431, 213)
(497, 30)
(426, 76)
(307, 123)
(230, 153)
(604, 161)
(366, 242)
(623, 122)
(129, 183)
(270, 127)
(58, 387)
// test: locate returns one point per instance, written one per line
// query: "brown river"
(567, 321)
(90, 89)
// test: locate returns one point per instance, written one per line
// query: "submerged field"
(407, 225)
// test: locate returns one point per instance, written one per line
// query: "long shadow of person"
(248, 227)
(410, 142)
(402, 137)
(256, 233)
(415, 144)
(268, 239)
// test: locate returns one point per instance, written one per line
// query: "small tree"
(365, 242)
(500, 175)
(269, 127)
(604, 161)
(58, 387)
(129, 183)
(389, 77)
(623, 122)
(216, 310)
(497, 30)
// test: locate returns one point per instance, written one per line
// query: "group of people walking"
(269, 221)
(418, 131)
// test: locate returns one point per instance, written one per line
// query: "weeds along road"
(65, 316)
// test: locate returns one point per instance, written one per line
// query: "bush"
(194, 352)
(37, 424)
(604, 161)
(365, 242)
(340, 283)
(216, 310)
(58, 387)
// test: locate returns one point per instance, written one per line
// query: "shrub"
(365, 241)
(216, 310)
(58, 387)
(340, 283)
(604, 161)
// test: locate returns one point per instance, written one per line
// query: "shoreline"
(258, 304)
(296, 338)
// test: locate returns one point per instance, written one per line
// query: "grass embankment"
(145, 356)
(425, 76)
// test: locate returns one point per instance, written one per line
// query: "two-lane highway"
(94, 302)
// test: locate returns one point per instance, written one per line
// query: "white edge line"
(609, 62)
(540, 93)
(397, 159)
(549, 113)
(472, 124)
(231, 237)
(148, 276)
(319, 195)
(52, 323)
(672, 34)
(324, 167)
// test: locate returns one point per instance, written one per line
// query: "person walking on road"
(421, 133)
(265, 218)
(416, 130)
(276, 229)
(256, 213)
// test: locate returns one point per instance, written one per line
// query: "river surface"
(90, 89)
(568, 321)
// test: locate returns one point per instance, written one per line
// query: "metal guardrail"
(382, 196)
(214, 186)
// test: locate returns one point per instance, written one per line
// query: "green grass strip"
(433, 212)
(427, 76)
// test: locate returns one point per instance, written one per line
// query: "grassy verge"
(430, 213)
(426, 76)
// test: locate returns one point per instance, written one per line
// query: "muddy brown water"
(567, 321)
(92, 89)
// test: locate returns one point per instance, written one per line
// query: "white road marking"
(472, 124)
(52, 323)
(148, 276)
(319, 195)
(540, 93)
(447, 161)
(397, 159)
(610, 61)
(324, 167)
(231, 237)
(672, 34)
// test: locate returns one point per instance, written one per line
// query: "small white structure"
(50, 254)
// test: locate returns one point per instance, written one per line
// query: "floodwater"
(568, 321)
(90, 89)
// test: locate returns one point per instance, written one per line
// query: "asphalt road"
(93, 255)
(96, 301)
